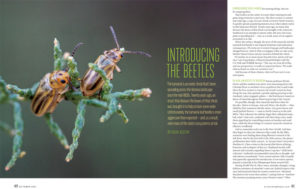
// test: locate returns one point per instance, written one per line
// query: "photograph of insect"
(51, 90)
(92, 81)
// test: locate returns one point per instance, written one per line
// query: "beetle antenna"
(75, 48)
(72, 55)
(138, 52)
(114, 36)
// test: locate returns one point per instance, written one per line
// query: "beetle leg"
(64, 91)
(73, 88)
(111, 76)
(118, 69)
(57, 99)
(60, 98)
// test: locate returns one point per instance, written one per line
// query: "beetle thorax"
(114, 55)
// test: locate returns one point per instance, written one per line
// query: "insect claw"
(73, 88)
(112, 76)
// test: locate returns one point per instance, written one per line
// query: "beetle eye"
(62, 81)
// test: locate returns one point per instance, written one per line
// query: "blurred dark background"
(141, 148)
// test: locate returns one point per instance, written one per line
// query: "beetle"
(92, 81)
(50, 92)
(51, 89)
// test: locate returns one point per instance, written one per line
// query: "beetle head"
(114, 54)
(59, 79)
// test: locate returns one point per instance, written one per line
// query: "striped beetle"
(51, 89)
(92, 81)
(50, 92)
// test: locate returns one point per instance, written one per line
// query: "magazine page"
(143, 94)
(262, 85)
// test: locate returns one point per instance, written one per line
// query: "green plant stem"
(17, 141)
(4, 93)
(73, 72)
(99, 71)
(58, 59)
(3, 88)
(112, 108)
(79, 123)
(26, 93)
(121, 113)
(132, 94)
(6, 128)
(95, 102)
(56, 130)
